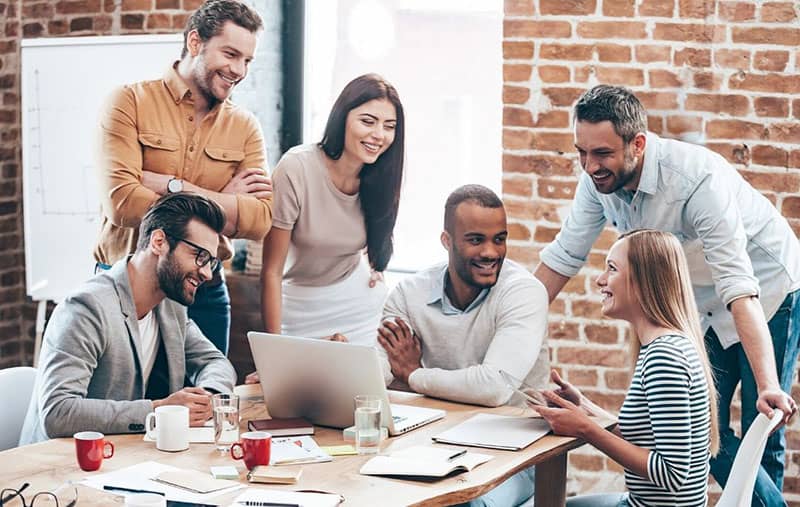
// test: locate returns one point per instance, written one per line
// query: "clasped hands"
(402, 346)
(196, 399)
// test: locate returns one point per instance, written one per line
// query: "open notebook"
(496, 432)
(423, 461)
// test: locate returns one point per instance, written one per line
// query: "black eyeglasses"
(203, 256)
(10, 497)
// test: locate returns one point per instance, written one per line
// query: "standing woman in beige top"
(335, 201)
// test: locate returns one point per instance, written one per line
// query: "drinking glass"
(368, 423)
(226, 420)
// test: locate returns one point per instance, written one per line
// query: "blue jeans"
(513, 491)
(731, 367)
(599, 500)
(211, 311)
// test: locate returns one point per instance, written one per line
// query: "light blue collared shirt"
(736, 242)
(439, 296)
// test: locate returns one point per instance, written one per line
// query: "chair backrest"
(739, 488)
(16, 384)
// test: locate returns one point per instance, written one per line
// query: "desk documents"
(495, 432)
(424, 461)
(256, 497)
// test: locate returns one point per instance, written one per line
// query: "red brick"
(78, 6)
(8, 47)
(7, 81)
(517, 139)
(133, 21)
(774, 61)
(553, 74)
(778, 12)
(552, 119)
(582, 74)
(772, 35)
(658, 100)
(81, 24)
(102, 23)
(595, 357)
(582, 377)
(696, 8)
(32, 30)
(563, 97)
(655, 124)
(733, 153)
(735, 129)
(737, 11)
(619, 8)
(191, 5)
(168, 4)
(517, 117)
(693, 57)
(57, 27)
(607, 335)
(689, 32)
(735, 105)
(556, 189)
(514, 94)
(772, 156)
(618, 379)
(575, 285)
(517, 50)
(179, 20)
(565, 52)
(588, 309)
(528, 210)
(607, 238)
(553, 141)
(158, 20)
(518, 7)
(788, 132)
(515, 185)
(557, 307)
(620, 76)
(612, 30)
(771, 106)
(770, 83)
(647, 54)
(518, 232)
(7, 116)
(796, 108)
(109, 6)
(517, 72)
(794, 159)
(544, 234)
(791, 207)
(524, 255)
(12, 29)
(533, 29)
(613, 53)
(38, 10)
(732, 58)
(573, 7)
(681, 124)
(543, 165)
(657, 8)
(707, 80)
(664, 79)
(562, 330)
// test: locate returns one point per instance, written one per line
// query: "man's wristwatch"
(175, 185)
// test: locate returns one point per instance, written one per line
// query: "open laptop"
(318, 379)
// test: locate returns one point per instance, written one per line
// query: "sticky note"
(340, 450)
(225, 472)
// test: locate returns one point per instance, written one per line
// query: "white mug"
(171, 428)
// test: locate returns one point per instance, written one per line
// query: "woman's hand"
(565, 389)
(252, 378)
(337, 337)
(564, 417)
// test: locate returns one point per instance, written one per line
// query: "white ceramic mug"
(169, 427)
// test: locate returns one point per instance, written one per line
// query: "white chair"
(16, 384)
(739, 488)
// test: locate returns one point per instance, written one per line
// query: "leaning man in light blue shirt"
(744, 258)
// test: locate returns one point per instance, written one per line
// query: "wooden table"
(47, 465)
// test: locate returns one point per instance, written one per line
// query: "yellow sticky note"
(340, 450)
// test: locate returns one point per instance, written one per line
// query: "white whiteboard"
(64, 83)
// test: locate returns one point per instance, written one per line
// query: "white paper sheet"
(496, 432)
(290, 497)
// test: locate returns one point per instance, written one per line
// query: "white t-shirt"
(148, 335)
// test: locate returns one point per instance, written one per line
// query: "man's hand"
(197, 399)
(374, 277)
(155, 181)
(769, 399)
(402, 347)
(252, 181)
(337, 337)
(252, 378)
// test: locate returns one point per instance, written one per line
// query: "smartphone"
(530, 393)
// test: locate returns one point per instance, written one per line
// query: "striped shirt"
(666, 410)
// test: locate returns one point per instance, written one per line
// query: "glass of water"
(226, 420)
(368, 423)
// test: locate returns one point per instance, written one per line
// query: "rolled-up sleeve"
(713, 213)
(123, 197)
(567, 253)
(255, 215)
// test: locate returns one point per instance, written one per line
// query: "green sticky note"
(340, 450)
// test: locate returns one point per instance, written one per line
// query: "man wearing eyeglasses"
(122, 344)
(182, 133)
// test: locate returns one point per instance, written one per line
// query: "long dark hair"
(379, 186)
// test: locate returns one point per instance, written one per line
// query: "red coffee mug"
(254, 447)
(91, 448)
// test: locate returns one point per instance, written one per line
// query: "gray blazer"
(90, 369)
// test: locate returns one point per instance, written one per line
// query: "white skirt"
(349, 307)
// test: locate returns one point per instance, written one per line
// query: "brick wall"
(60, 18)
(724, 74)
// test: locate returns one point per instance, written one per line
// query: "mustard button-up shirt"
(150, 126)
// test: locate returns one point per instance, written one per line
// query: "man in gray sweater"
(449, 330)
(122, 344)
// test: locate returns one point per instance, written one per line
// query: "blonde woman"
(667, 424)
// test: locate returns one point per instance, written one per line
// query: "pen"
(255, 503)
(457, 455)
(130, 490)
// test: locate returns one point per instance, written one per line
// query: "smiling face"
(619, 302)
(369, 131)
(476, 246)
(178, 273)
(221, 62)
(605, 157)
